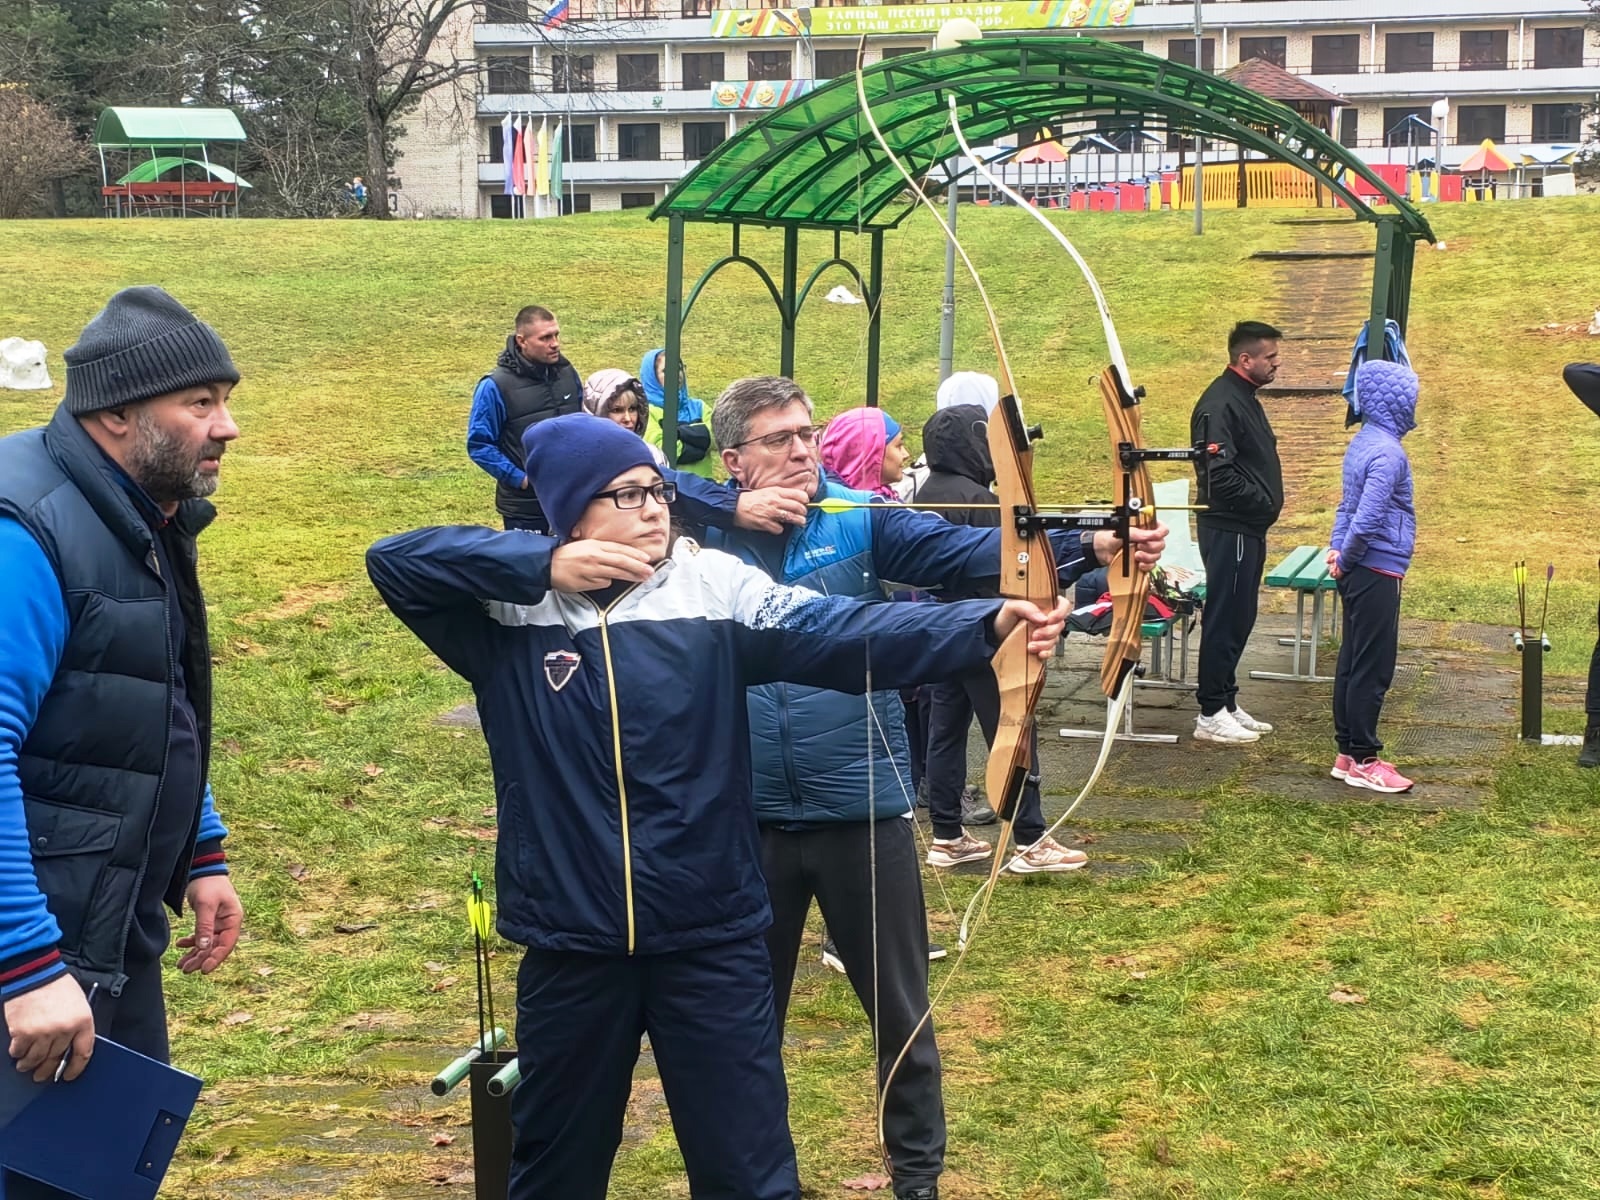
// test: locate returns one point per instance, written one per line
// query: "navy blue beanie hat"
(568, 459)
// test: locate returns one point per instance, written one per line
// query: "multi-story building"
(642, 89)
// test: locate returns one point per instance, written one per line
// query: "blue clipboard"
(108, 1135)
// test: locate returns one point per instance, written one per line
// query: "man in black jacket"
(1242, 491)
(531, 380)
(1584, 380)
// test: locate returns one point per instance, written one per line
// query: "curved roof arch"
(815, 163)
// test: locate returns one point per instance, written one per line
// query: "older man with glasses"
(834, 824)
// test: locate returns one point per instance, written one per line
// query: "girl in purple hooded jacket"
(1373, 536)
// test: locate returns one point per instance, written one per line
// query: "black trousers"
(536, 524)
(1234, 565)
(136, 1019)
(1370, 642)
(714, 1032)
(833, 864)
(917, 704)
(954, 703)
(1591, 702)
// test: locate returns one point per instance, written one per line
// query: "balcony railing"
(1511, 64)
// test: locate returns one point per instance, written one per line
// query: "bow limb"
(1008, 384)
(1128, 583)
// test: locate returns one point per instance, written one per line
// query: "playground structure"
(814, 163)
(164, 160)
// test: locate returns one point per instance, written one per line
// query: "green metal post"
(874, 300)
(673, 353)
(1382, 273)
(791, 268)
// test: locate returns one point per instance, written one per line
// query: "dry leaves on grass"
(238, 1018)
(442, 1139)
(451, 1175)
(298, 871)
(871, 1182)
(1344, 994)
(346, 927)
(372, 770)
(440, 985)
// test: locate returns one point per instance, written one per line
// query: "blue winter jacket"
(818, 757)
(1376, 525)
(616, 721)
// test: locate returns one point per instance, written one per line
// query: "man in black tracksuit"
(1242, 491)
(1584, 380)
(531, 381)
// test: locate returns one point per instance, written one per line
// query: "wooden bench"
(1306, 571)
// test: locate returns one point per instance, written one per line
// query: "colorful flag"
(519, 166)
(555, 164)
(507, 144)
(529, 153)
(555, 15)
(541, 175)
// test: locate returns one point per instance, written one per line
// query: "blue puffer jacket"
(816, 757)
(1376, 525)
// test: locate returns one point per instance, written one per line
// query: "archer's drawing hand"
(587, 565)
(771, 509)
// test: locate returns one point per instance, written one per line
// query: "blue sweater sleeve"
(703, 503)
(438, 582)
(488, 418)
(922, 549)
(209, 858)
(32, 639)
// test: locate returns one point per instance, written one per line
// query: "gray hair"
(744, 398)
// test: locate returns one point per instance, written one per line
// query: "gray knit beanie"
(143, 343)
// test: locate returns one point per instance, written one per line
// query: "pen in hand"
(61, 1067)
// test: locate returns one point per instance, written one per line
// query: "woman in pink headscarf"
(866, 449)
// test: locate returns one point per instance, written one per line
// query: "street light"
(1199, 139)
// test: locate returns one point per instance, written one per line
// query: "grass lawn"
(1167, 1034)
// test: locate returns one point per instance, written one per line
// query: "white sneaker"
(1221, 727)
(1246, 721)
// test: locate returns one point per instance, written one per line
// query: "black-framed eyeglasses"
(779, 442)
(633, 496)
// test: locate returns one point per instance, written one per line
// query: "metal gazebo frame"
(814, 164)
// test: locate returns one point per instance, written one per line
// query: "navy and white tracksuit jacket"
(619, 832)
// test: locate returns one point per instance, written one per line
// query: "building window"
(1181, 50)
(897, 51)
(497, 144)
(572, 72)
(639, 142)
(1407, 52)
(702, 70)
(1274, 50)
(577, 202)
(577, 143)
(638, 73)
(1134, 44)
(505, 12)
(1558, 47)
(697, 8)
(1474, 122)
(769, 64)
(1558, 122)
(1349, 122)
(700, 138)
(500, 206)
(508, 77)
(1483, 49)
(1336, 54)
(831, 64)
(636, 9)
(638, 199)
(1407, 127)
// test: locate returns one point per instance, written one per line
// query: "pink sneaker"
(1377, 776)
(1341, 766)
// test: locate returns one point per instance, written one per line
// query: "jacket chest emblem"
(559, 667)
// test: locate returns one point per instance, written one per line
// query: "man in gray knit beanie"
(107, 825)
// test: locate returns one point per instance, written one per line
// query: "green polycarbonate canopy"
(815, 163)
